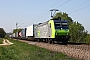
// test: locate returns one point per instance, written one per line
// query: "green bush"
(87, 39)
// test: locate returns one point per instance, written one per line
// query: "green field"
(1, 41)
(24, 51)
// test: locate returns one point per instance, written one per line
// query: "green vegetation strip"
(1, 40)
(24, 51)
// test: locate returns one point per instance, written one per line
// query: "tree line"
(2, 33)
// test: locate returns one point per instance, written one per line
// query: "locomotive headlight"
(56, 33)
(67, 33)
(61, 28)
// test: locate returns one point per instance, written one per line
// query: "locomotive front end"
(61, 30)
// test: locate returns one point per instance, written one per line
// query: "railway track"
(79, 51)
(82, 47)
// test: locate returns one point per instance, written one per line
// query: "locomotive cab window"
(58, 25)
(65, 25)
(61, 25)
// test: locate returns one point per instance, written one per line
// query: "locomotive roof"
(60, 21)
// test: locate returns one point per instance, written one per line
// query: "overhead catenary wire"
(63, 3)
(79, 9)
(56, 7)
(47, 10)
(40, 16)
(51, 7)
(79, 5)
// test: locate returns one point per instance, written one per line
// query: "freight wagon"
(30, 32)
(23, 34)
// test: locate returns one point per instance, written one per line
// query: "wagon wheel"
(49, 41)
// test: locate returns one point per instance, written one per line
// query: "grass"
(1, 40)
(24, 51)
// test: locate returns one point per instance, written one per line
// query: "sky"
(28, 12)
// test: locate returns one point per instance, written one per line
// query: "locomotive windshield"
(61, 25)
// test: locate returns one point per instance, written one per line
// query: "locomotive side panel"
(42, 30)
